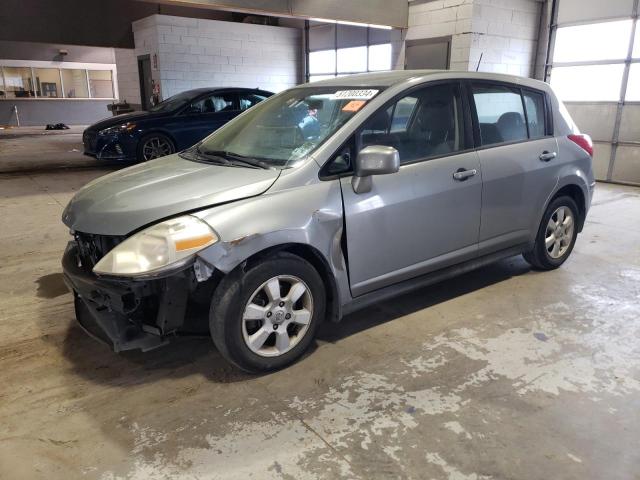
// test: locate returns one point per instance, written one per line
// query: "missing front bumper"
(127, 314)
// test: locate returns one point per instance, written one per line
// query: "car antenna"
(479, 60)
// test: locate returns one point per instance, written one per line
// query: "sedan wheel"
(556, 235)
(273, 323)
(264, 316)
(559, 234)
(156, 146)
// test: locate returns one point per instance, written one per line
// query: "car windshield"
(173, 103)
(284, 129)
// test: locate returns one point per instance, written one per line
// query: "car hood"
(129, 199)
(124, 118)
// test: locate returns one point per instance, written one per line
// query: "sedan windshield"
(173, 103)
(285, 129)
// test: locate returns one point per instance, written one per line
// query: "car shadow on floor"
(423, 298)
(187, 355)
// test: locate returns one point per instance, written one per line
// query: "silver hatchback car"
(322, 200)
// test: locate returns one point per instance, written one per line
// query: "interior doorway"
(146, 82)
(428, 54)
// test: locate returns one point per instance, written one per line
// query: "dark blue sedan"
(173, 125)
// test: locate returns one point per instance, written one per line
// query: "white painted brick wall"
(504, 31)
(444, 18)
(127, 79)
(195, 53)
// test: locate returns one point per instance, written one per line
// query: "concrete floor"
(54, 149)
(503, 373)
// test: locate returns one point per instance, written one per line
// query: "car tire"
(154, 145)
(556, 235)
(251, 314)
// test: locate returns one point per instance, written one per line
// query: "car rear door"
(427, 215)
(204, 116)
(517, 154)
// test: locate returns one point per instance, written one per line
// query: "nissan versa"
(324, 199)
(174, 124)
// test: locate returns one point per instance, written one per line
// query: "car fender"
(309, 215)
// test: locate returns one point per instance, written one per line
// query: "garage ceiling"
(379, 12)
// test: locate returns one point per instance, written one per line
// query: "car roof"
(198, 91)
(395, 77)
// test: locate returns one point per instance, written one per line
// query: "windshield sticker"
(353, 106)
(355, 94)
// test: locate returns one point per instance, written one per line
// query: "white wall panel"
(570, 11)
(627, 164)
(630, 124)
(601, 157)
(595, 119)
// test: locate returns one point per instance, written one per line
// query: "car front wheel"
(154, 145)
(266, 317)
(556, 235)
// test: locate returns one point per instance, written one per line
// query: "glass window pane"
(534, 103)
(248, 100)
(2, 91)
(426, 123)
(633, 85)
(100, 84)
(213, 104)
(636, 43)
(591, 82)
(75, 83)
(48, 82)
(380, 57)
(500, 114)
(317, 78)
(19, 83)
(402, 113)
(323, 61)
(598, 41)
(352, 60)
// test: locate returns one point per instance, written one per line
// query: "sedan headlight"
(168, 244)
(124, 128)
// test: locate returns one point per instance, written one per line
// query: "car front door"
(517, 156)
(426, 216)
(203, 116)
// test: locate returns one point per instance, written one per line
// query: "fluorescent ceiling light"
(345, 22)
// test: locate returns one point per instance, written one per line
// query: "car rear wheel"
(154, 145)
(266, 317)
(556, 235)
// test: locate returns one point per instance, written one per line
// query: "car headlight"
(124, 128)
(166, 245)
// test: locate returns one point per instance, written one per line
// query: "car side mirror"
(190, 110)
(374, 160)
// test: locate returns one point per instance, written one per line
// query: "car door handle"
(546, 156)
(461, 174)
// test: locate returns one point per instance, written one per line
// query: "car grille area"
(91, 248)
(89, 139)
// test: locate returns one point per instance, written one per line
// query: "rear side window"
(426, 123)
(248, 100)
(500, 114)
(534, 104)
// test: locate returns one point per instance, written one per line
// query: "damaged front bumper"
(127, 313)
(114, 147)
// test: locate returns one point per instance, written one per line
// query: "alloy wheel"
(559, 232)
(277, 316)
(156, 147)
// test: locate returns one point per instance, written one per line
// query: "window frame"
(34, 65)
(354, 138)
(520, 89)
(236, 103)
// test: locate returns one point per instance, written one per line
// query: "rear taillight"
(583, 141)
